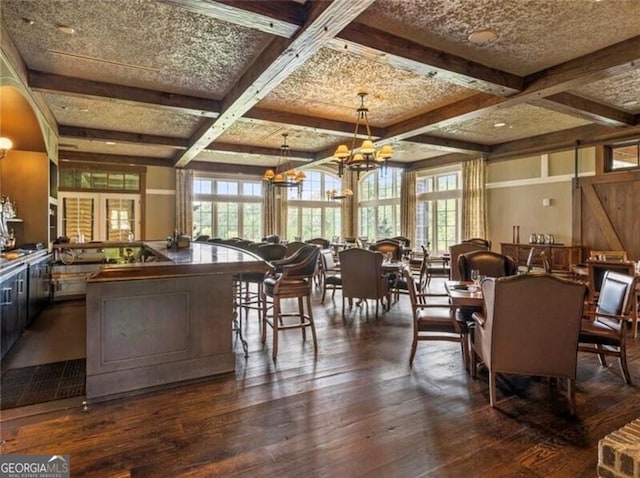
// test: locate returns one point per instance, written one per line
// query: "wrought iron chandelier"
(284, 176)
(334, 194)
(367, 157)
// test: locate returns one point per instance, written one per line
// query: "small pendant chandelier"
(284, 176)
(367, 157)
(334, 194)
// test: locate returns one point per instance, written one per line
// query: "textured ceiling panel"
(237, 158)
(406, 152)
(328, 84)
(262, 133)
(114, 116)
(532, 34)
(122, 149)
(519, 122)
(622, 91)
(134, 42)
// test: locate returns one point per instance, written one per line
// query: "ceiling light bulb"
(499, 125)
(482, 37)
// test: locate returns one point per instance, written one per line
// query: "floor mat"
(42, 383)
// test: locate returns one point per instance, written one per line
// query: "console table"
(562, 257)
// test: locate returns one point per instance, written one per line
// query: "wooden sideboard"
(562, 257)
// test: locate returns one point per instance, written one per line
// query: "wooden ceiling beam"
(67, 85)
(406, 55)
(98, 158)
(614, 60)
(66, 131)
(444, 160)
(279, 60)
(451, 145)
(248, 149)
(225, 168)
(590, 110)
(313, 123)
(276, 17)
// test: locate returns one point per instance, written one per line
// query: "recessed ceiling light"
(110, 143)
(83, 110)
(482, 37)
(499, 125)
(28, 21)
(66, 29)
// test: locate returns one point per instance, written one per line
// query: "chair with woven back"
(603, 329)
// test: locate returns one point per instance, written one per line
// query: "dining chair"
(362, 277)
(479, 241)
(432, 320)
(323, 243)
(388, 246)
(530, 327)
(488, 263)
(331, 278)
(455, 251)
(602, 330)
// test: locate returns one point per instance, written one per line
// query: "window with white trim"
(227, 208)
(438, 198)
(379, 204)
(309, 213)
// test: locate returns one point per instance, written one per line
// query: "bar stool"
(294, 282)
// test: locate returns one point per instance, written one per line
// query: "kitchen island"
(152, 324)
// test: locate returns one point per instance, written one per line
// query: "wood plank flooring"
(356, 409)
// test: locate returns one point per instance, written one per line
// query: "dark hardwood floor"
(355, 409)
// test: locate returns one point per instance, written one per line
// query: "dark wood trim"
(279, 60)
(440, 161)
(367, 41)
(126, 168)
(52, 83)
(573, 105)
(224, 168)
(121, 136)
(452, 145)
(104, 159)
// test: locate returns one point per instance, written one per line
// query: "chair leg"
(377, 304)
(264, 319)
(301, 311)
(464, 339)
(492, 388)
(343, 300)
(473, 365)
(276, 321)
(414, 346)
(312, 324)
(324, 292)
(601, 356)
(623, 363)
(571, 395)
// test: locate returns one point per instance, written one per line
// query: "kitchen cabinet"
(39, 286)
(13, 305)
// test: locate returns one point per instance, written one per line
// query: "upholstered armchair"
(489, 263)
(530, 327)
(362, 276)
(455, 251)
(388, 246)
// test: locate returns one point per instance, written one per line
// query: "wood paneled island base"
(151, 325)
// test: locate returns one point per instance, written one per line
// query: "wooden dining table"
(460, 294)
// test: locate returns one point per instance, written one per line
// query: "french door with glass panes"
(99, 217)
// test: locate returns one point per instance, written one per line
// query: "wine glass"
(475, 277)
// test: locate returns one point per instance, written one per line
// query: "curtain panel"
(408, 206)
(349, 207)
(474, 199)
(184, 201)
(269, 216)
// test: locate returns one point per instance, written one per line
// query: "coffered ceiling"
(214, 84)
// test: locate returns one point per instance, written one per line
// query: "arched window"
(379, 203)
(309, 213)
